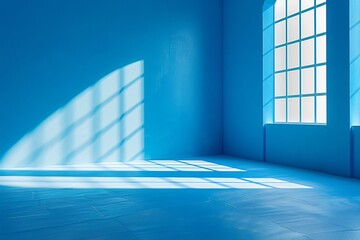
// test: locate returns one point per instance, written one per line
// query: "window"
(354, 62)
(299, 51)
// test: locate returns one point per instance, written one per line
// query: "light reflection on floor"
(145, 182)
(140, 165)
(252, 201)
(50, 177)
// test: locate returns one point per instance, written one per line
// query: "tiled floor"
(204, 198)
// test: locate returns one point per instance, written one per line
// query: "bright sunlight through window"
(300, 61)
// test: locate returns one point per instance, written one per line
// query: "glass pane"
(321, 109)
(280, 9)
(293, 110)
(307, 84)
(280, 33)
(307, 52)
(307, 24)
(280, 84)
(280, 110)
(293, 7)
(307, 110)
(293, 28)
(293, 82)
(293, 55)
(305, 4)
(321, 49)
(280, 58)
(321, 19)
(321, 79)
(320, 1)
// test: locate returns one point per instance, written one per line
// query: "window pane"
(321, 109)
(293, 110)
(321, 19)
(280, 33)
(293, 7)
(307, 51)
(298, 89)
(280, 110)
(305, 4)
(307, 24)
(293, 83)
(293, 55)
(307, 84)
(280, 84)
(293, 28)
(280, 9)
(321, 49)
(307, 110)
(321, 79)
(280, 58)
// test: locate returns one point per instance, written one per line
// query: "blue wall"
(50, 51)
(201, 71)
(243, 123)
(355, 151)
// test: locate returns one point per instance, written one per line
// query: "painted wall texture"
(54, 52)
(243, 125)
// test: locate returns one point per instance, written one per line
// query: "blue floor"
(216, 197)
